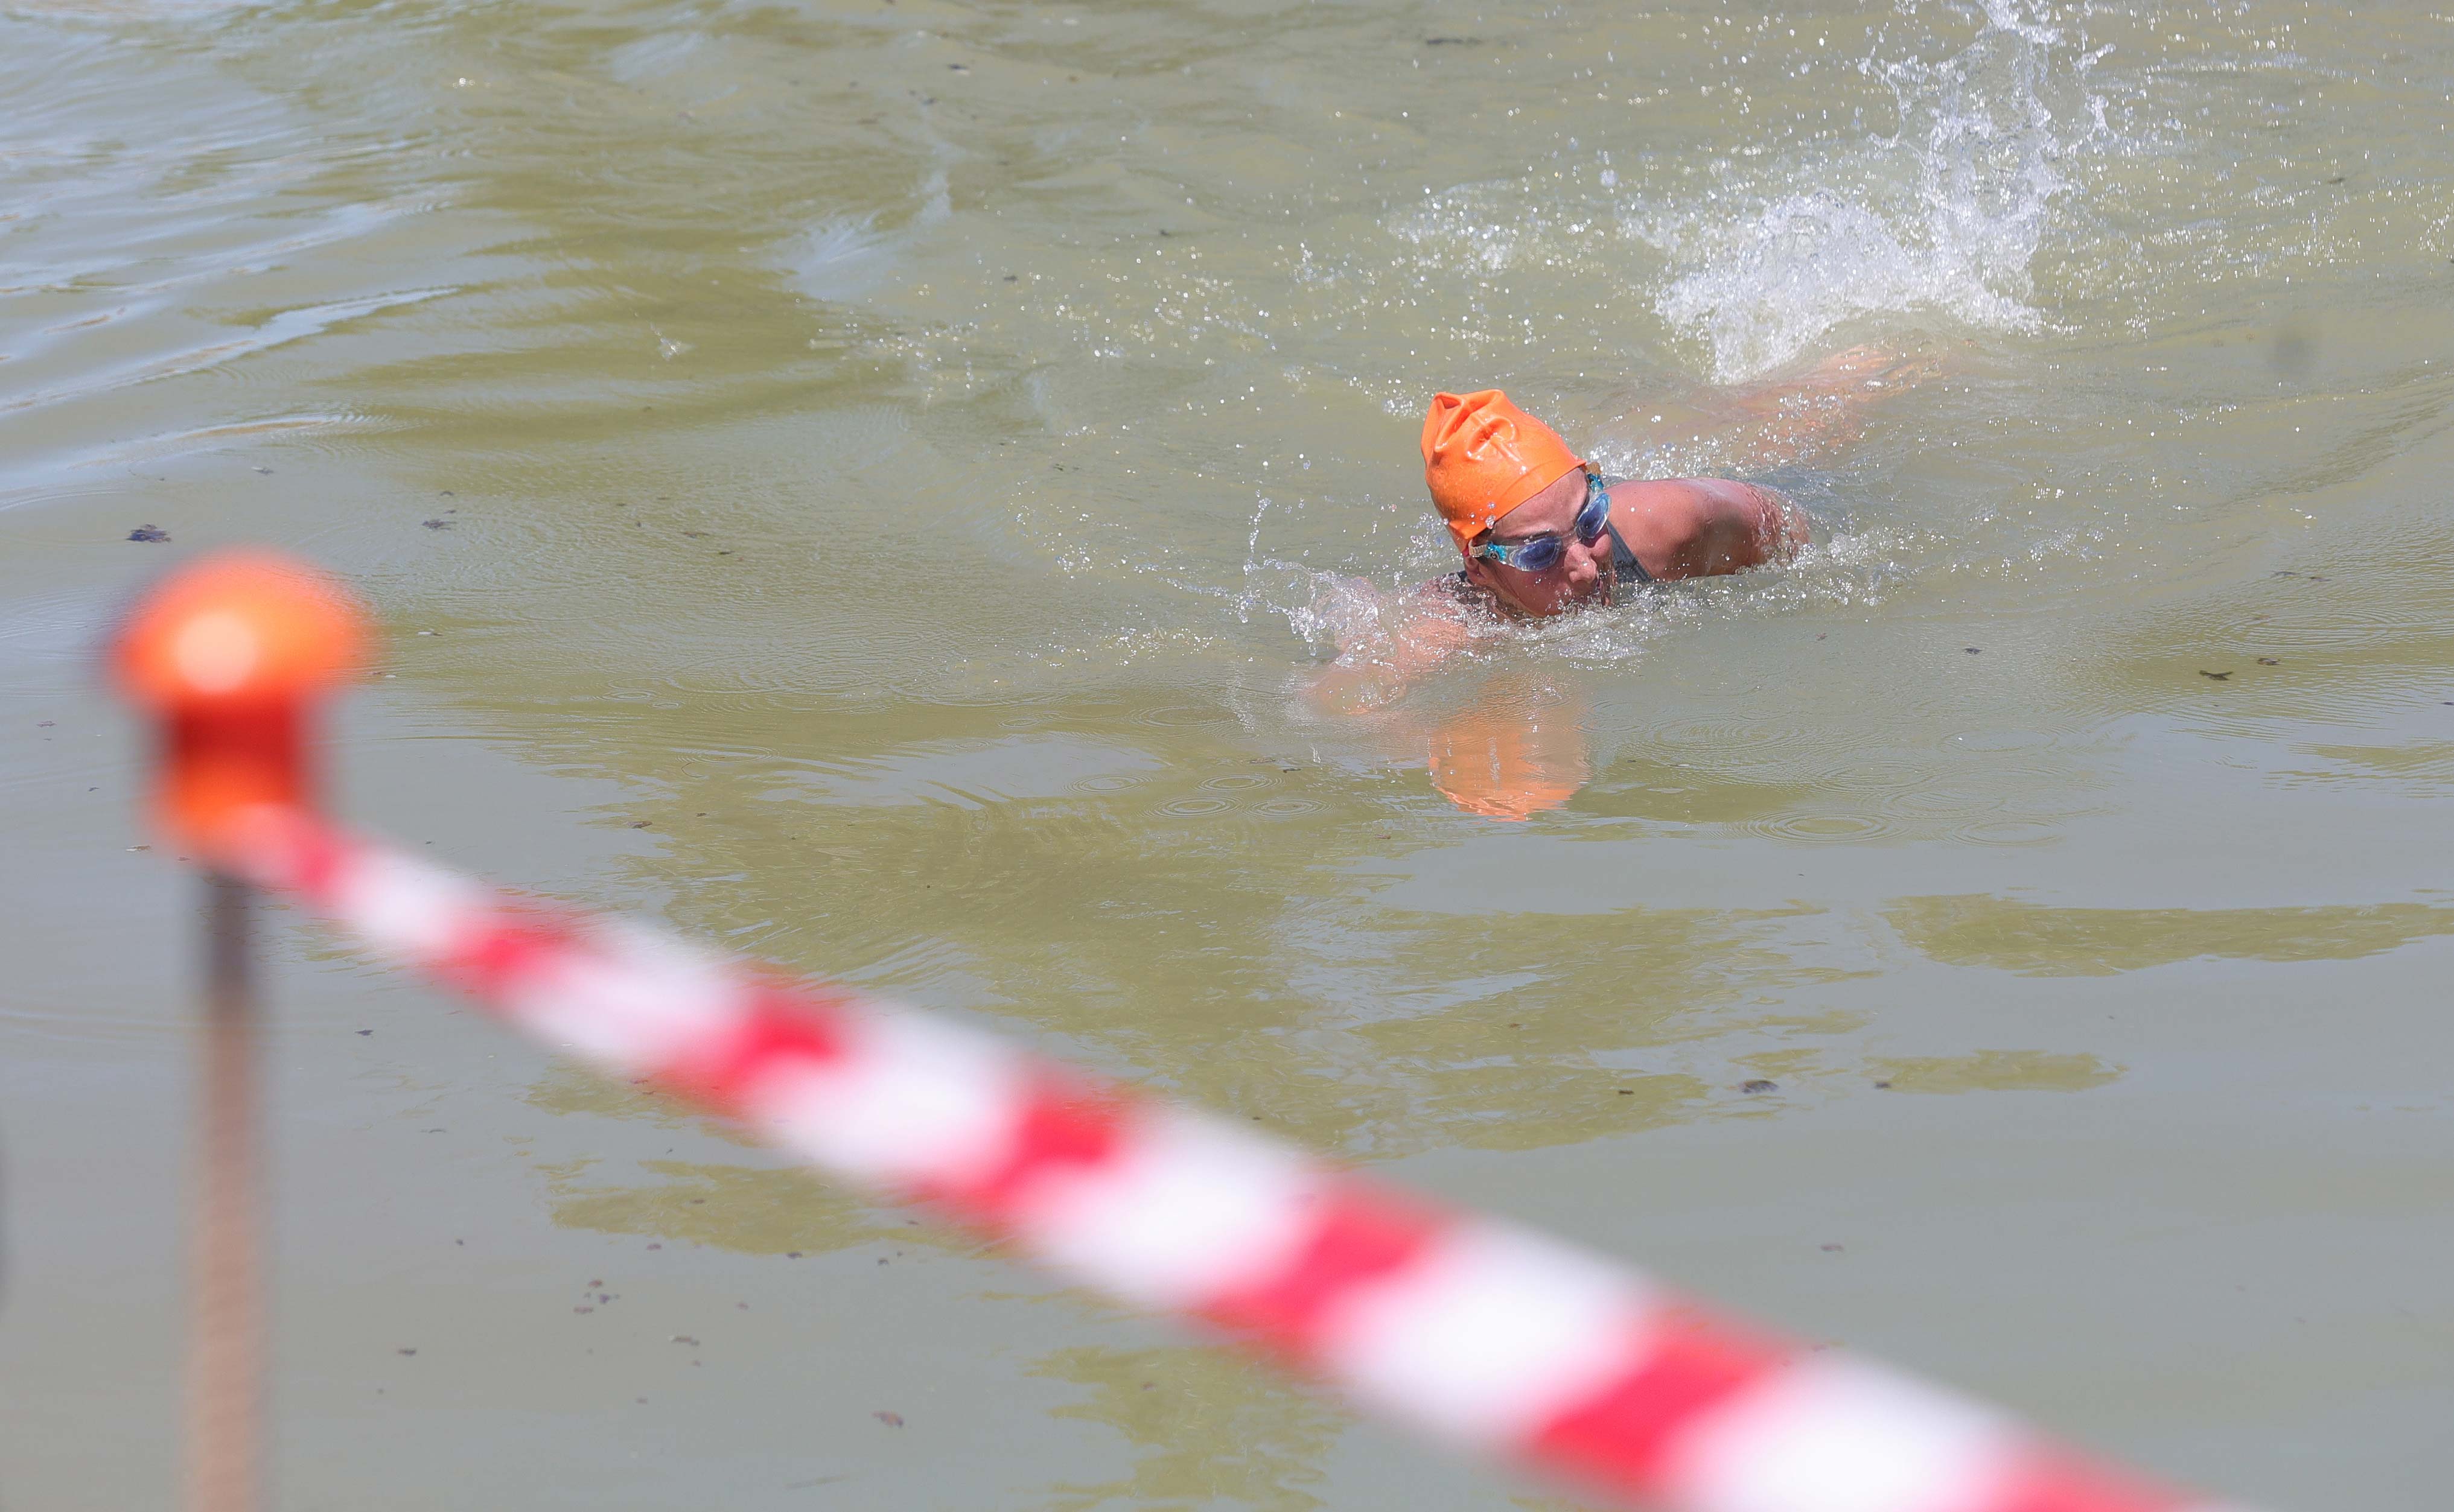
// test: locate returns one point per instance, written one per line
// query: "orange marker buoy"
(231, 655)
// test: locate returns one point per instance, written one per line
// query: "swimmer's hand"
(1799, 417)
(1381, 656)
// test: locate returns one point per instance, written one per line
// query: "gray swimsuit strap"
(1623, 561)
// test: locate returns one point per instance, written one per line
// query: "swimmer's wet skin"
(1541, 534)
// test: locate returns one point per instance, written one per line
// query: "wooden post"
(227, 1346)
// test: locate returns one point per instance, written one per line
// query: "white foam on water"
(842, 258)
(1943, 217)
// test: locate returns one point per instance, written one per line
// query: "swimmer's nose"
(1583, 570)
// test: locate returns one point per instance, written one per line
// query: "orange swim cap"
(1483, 457)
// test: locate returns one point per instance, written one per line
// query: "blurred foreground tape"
(1471, 1331)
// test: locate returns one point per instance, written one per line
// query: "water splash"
(1333, 613)
(1945, 216)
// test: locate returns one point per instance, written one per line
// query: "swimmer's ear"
(1478, 571)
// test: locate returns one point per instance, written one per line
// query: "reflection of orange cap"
(230, 654)
(1509, 763)
(1483, 457)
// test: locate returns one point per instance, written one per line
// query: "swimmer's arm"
(1695, 528)
(1430, 627)
(1750, 526)
(1825, 409)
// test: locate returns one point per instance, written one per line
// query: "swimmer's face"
(1581, 576)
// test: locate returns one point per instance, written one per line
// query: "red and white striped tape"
(1473, 1331)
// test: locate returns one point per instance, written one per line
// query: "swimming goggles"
(1543, 553)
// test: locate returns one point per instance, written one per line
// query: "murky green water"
(864, 484)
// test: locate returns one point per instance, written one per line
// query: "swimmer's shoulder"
(1684, 527)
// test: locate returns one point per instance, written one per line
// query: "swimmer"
(1543, 532)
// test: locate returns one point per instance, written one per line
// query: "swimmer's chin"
(1597, 597)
